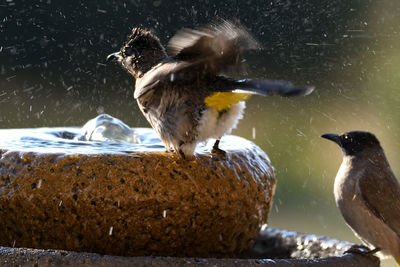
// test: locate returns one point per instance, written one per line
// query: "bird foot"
(218, 152)
(182, 154)
(362, 250)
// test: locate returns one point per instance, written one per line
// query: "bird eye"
(346, 137)
(129, 51)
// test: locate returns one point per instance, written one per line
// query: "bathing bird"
(184, 92)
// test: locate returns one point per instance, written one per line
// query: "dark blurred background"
(53, 72)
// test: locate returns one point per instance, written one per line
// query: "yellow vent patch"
(223, 100)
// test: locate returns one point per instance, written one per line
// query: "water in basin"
(103, 134)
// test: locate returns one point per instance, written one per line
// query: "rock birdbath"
(61, 190)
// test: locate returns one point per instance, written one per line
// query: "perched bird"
(367, 192)
(184, 94)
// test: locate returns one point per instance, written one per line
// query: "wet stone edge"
(273, 247)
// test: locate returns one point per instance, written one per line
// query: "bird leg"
(180, 151)
(216, 149)
(182, 154)
(362, 250)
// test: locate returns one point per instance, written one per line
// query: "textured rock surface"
(152, 203)
(273, 247)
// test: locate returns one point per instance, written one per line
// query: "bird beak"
(114, 56)
(333, 137)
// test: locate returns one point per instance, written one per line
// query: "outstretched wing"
(214, 48)
(259, 87)
(206, 52)
(171, 72)
(381, 193)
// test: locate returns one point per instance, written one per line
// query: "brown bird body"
(367, 193)
(183, 94)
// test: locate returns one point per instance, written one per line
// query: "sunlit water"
(110, 136)
(61, 140)
(105, 128)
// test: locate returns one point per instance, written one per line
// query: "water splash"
(105, 128)
(103, 134)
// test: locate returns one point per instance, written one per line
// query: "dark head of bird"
(354, 142)
(141, 52)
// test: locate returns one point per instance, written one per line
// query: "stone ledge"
(272, 243)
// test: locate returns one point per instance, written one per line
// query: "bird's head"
(140, 52)
(354, 142)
